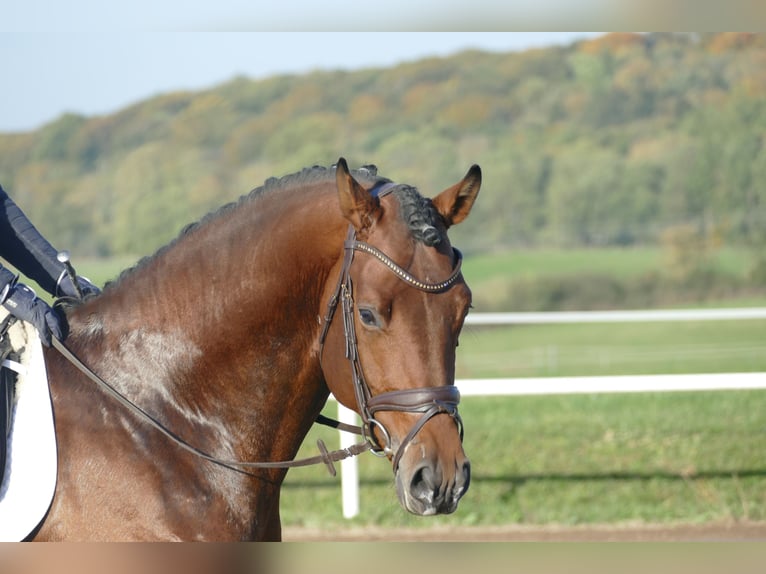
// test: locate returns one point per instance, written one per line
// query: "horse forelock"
(420, 215)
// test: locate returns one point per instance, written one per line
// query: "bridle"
(430, 401)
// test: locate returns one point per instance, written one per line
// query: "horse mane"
(420, 214)
(416, 210)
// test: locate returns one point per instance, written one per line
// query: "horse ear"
(455, 203)
(356, 203)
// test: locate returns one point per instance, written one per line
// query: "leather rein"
(324, 456)
(430, 401)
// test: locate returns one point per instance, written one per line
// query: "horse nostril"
(465, 479)
(424, 484)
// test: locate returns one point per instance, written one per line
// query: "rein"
(325, 456)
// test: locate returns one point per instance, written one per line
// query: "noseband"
(430, 401)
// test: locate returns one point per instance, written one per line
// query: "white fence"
(644, 316)
(571, 385)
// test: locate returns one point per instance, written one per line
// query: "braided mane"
(417, 211)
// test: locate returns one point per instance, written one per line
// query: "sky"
(45, 73)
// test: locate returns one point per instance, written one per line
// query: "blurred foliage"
(626, 139)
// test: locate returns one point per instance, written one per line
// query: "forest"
(622, 140)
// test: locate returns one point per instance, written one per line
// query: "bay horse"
(227, 337)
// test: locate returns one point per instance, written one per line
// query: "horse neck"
(224, 340)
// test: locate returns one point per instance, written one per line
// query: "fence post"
(349, 469)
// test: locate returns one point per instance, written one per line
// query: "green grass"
(102, 270)
(539, 262)
(639, 277)
(613, 261)
(612, 349)
(577, 459)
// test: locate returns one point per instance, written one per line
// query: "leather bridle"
(430, 401)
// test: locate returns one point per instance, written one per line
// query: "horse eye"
(368, 317)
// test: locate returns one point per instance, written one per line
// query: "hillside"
(622, 140)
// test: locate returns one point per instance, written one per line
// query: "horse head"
(392, 358)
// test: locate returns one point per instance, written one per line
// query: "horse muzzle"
(432, 472)
(429, 488)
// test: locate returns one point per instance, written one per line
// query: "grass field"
(620, 262)
(609, 278)
(102, 270)
(615, 261)
(612, 349)
(644, 458)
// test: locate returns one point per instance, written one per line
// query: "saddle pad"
(31, 465)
